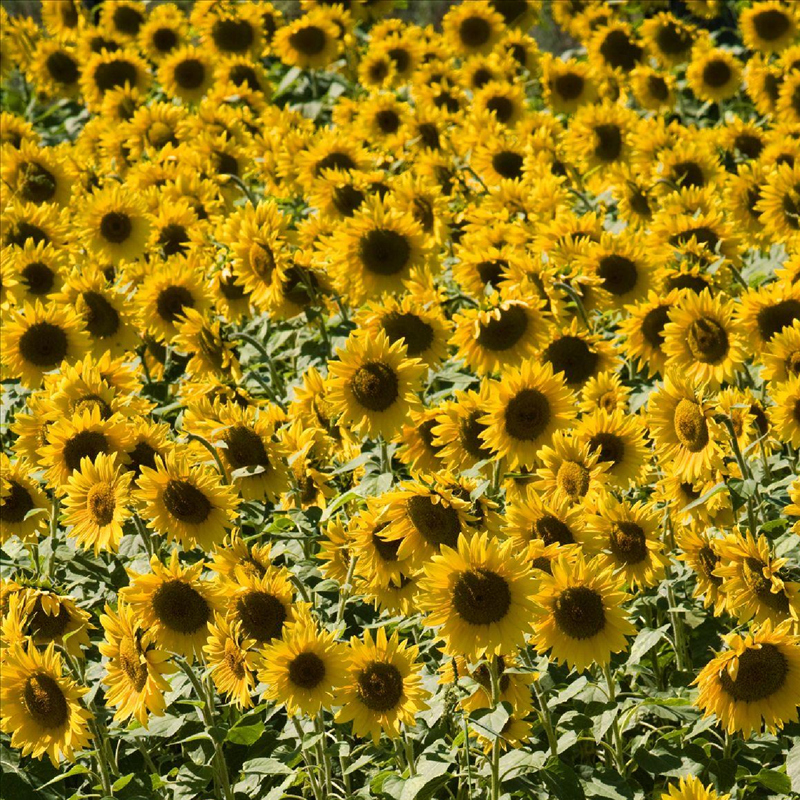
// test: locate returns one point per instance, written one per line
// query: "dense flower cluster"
(373, 364)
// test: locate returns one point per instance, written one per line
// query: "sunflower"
(186, 73)
(514, 685)
(478, 597)
(615, 47)
(167, 291)
(235, 553)
(578, 355)
(309, 42)
(383, 688)
(188, 504)
(714, 74)
(37, 175)
(669, 39)
(107, 70)
(789, 99)
(502, 335)
(423, 516)
(373, 384)
(231, 660)
(146, 442)
(263, 604)
(578, 614)
(690, 788)
(530, 518)
(702, 340)
(682, 427)
(96, 503)
(304, 671)
(781, 357)
(794, 506)
(173, 604)
(755, 683)
(163, 31)
(567, 84)
(39, 271)
(678, 493)
(620, 440)
(258, 238)
(473, 27)
(24, 508)
(41, 705)
(48, 618)
(377, 557)
(604, 392)
(524, 411)
(418, 449)
(769, 310)
(753, 580)
(420, 326)
(55, 68)
(457, 431)
(768, 27)
(375, 250)
(700, 552)
(136, 668)
(626, 537)
(780, 202)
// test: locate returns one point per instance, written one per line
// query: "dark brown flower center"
(503, 329)
(771, 24)
(569, 86)
(608, 142)
(380, 686)
(180, 607)
(716, 73)
(437, 523)
(244, 448)
(618, 273)
(653, 326)
(409, 328)
(619, 51)
(774, 318)
(481, 597)
(83, 444)
(690, 425)
(127, 20)
(116, 227)
(384, 252)
(115, 74)
(673, 39)
(16, 503)
(310, 40)
(62, 68)
(508, 164)
(573, 356)
(47, 627)
(184, 501)
(527, 415)
(38, 278)
(611, 447)
(707, 340)
(102, 503)
(469, 436)
(45, 701)
(551, 530)
(190, 74)
(628, 542)
(262, 615)
(762, 673)
(307, 670)
(164, 40)
(375, 386)
(36, 183)
(474, 31)
(171, 302)
(232, 35)
(102, 319)
(579, 612)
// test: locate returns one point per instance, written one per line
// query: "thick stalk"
(547, 721)
(495, 683)
(612, 698)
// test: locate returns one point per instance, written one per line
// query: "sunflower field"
(400, 400)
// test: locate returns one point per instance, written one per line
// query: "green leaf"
(490, 721)
(562, 780)
(793, 767)
(78, 769)
(121, 783)
(645, 641)
(775, 781)
(245, 734)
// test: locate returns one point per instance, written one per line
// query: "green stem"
(214, 452)
(323, 755)
(612, 698)
(219, 765)
(547, 722)
(51, 567)
(467, 756)
(573, 295)
(346, 589)
(316, 789)
(409, 747)
(495, 764)
(386, 461)
(144, 533)
(100, 757)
